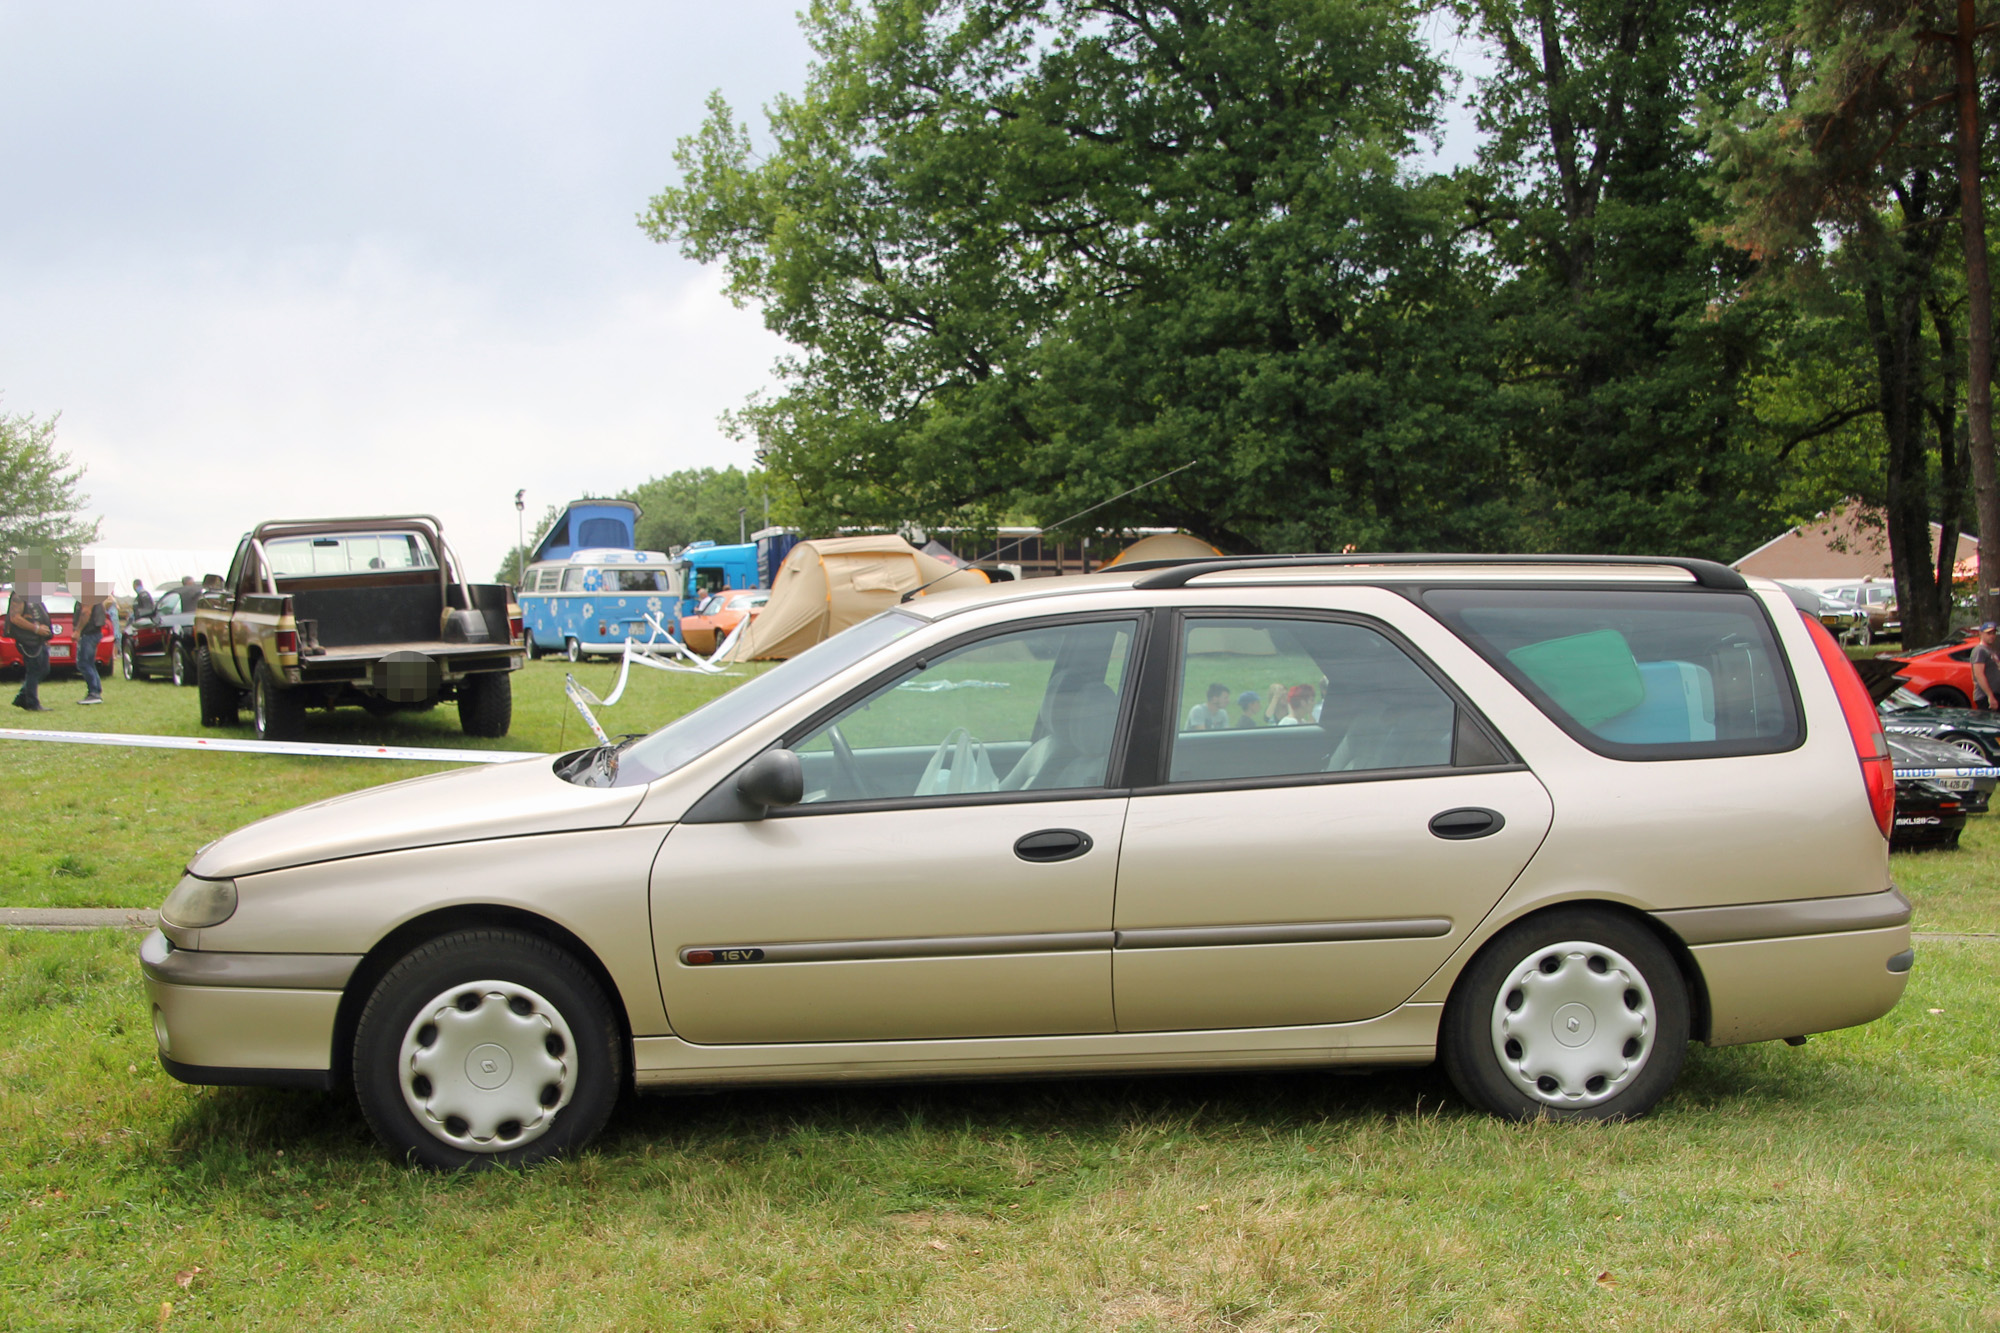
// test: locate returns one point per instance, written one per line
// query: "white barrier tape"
(576, 693)
(1902, 772)
(309, 748)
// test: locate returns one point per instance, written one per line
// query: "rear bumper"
(1786, 969)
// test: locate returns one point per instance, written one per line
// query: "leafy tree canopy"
(702, 504)
(1035, 253)
(40, 503)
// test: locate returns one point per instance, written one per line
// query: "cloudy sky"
(304, 259)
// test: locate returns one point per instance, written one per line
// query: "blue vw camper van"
(589, 588)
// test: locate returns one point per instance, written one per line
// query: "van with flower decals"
(591, 600)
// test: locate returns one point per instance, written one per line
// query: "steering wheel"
(844, 765)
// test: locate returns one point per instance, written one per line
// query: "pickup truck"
(373, 612)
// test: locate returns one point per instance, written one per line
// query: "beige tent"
(825, 586)
(1164, 546)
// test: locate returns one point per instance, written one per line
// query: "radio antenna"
(1071, 519)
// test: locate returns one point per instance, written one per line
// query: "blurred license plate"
(61, 654)
(1955, 784)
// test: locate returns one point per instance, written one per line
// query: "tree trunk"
(1894, 310)
(1979, 317)
(1952, 451)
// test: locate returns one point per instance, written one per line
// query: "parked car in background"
(62, 647)
(1927, 815)
(1946, 767)
(1941, 673)
(707, 628)
(1877, 601)
(1561, 817)
(161, 642)
(1843, 619)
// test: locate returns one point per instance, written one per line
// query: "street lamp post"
(520, 537)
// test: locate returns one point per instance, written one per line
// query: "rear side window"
(1639, 674)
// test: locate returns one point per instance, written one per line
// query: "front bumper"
(256, 1019)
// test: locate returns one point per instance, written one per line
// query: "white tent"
(155, 566)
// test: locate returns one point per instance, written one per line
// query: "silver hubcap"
(1574, 1024)
(486, 1066)
(1970, 749)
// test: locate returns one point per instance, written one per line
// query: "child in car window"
(1247, 716)
(1298, 706)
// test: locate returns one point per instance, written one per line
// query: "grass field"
(1850, 1183)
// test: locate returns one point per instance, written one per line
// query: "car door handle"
(1470, 821)
(1053, 844)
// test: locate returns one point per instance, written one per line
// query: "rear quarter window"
(1637, 674)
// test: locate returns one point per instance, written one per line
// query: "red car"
(62, 648)
(1941, 673)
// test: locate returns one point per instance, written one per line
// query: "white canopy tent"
(155, 566)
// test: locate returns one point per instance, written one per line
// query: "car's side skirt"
(1406, 1035)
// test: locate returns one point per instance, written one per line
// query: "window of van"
(1637, 674)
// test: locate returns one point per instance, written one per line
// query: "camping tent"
(1164, 546)
(825, 586)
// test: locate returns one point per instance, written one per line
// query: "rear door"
(1321, 869)
(949, 874)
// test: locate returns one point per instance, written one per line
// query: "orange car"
(709, 626)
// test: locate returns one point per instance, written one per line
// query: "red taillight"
(1878, 770)
(514, 629)
(287, 641)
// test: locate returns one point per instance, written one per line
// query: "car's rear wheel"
(1944, 696)
(128, 663)
(486, 704)
(280, 714)
(487, 1048)
(219, 699)
(572, 650)
(183, 669)
(1579, 1014)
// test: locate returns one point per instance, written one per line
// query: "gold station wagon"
(1544, 819)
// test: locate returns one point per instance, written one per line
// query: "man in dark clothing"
(142, 601)
(28, 625)
(1986, 667)
(96, 616)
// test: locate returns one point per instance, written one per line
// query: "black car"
(1918, 759)
(161, 642)
(1926, 816)
(1975, 731)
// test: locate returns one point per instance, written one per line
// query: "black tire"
(419, 1120)
(183, 669)
(572, 650)
(1634, 1038)
(128, 664)
(219, 699)
(486, 704)
(279, 713)
(1944, 696)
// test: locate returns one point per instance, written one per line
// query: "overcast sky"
(296, 260)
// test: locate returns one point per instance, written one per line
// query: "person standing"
(1986, 667)
(28, 625)
(95, 614)
(142, 601)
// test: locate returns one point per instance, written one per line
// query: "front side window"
(1032, 710)
(1637, 674)
(1265, 697)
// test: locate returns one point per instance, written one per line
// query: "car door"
(149, 635)
(1317, 870)
(949, 873)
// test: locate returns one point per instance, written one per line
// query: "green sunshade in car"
(1592, 677)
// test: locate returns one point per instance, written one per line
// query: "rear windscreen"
(1637, 675)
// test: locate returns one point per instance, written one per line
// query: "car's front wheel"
(1579, 1014)
(487, 1048)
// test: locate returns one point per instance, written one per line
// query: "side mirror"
(775, 777)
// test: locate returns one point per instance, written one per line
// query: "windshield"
(706, 727)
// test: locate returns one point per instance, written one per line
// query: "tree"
(703, 504)
(1036, 253)
(40, 505)
(1838, 166)
(1625, 346)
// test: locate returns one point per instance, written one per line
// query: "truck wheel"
(486, 704)
(280, 713)
(219, 699)
(487, 1048)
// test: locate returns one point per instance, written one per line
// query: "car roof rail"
(1707, 573)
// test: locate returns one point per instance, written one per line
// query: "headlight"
(196, 903)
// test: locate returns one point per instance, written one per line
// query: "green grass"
(1848, 1183)
(109, 826)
